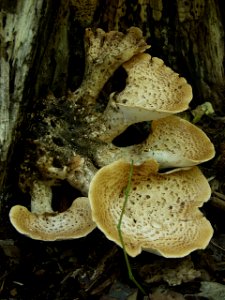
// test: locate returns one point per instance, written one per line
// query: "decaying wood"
(20, 31)
(42, 49)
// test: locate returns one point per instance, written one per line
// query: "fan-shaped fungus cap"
(173, 142)
(151, 85)
(152, 91)
(73, 223)
(104, 53)
(161, 215)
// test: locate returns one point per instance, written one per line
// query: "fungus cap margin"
(73, 223)
(152, 86)
(161, 215)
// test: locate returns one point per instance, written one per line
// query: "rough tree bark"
(42, 50)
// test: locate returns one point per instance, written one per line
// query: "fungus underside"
(126, 197)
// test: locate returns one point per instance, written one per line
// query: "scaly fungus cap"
(73, 223)
(153, 89)
(104, 53)
(161, 214)
(175, 142)
(172, 142)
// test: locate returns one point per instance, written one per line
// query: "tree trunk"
(42, 50)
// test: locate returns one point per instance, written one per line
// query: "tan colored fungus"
(152, 91)
(151, 85)
(104, 53)
(173, 142)
(42, 223)
(161, 215)
(76, 137)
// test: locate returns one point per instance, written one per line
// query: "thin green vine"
(126, 194)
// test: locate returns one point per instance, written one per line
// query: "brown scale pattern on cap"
(178, 136)
(161, 215)
(153, 85)
(73, 223)
(173, 142)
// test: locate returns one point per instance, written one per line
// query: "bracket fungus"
(152, 91)
(57, 141)
(161, 214)
(42, 223)
(73, 139)
(172, 142)
(104, 53)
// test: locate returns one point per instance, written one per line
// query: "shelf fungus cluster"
(71, 139)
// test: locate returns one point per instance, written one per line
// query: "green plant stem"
(126, 193)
